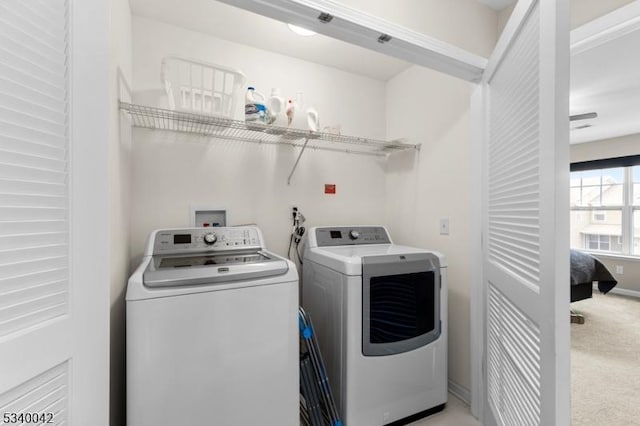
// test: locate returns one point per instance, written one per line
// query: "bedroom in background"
(605, 217)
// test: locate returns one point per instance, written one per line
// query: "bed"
(585, 269)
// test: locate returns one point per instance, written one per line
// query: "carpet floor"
(605, 362)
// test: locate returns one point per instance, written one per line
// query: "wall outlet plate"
(444, 226)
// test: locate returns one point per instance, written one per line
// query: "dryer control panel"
(184, 241)
(351, 235)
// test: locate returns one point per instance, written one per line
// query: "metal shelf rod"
(306, 141)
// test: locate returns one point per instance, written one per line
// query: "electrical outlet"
(444, 226)
(619, 269)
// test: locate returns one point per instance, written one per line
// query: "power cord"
(289, 250)
(297, 232)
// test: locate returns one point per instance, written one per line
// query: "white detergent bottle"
(255, 109)
(313, 120)
(276, 109)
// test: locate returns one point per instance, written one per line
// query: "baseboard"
(460, 392)
(620, 291)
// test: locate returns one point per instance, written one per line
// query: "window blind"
(34, 142)
(606, 163)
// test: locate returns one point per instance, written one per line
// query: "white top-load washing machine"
(212, 331)
(380, 314)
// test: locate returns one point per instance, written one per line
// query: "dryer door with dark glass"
(400, 303)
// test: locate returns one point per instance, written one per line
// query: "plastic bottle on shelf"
(290, 112)
(275, 108)
(255, 109)
(295, 112)
(301, 118)
(313, 120)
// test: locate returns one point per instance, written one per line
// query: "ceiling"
(606, 80)
(222, 21)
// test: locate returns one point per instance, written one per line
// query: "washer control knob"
(354, 235)
(210, 238)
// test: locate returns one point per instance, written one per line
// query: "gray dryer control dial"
(354, 235)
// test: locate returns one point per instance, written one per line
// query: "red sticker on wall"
(329, 188)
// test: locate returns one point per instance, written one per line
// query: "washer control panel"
(174, 241)
(351, 235)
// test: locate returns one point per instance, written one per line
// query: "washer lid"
(203, 268)
(348, 259)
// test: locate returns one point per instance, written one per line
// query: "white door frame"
(477, 296)
(616, 24)
(89, 217)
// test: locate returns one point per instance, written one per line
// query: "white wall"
(606, 148)
(433, 108)
(172, 171)
(119, 205)
(503, 17)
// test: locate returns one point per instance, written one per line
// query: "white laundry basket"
(198, 87)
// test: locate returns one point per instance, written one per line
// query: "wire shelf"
(224, 128)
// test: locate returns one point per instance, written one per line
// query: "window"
(635, 201)
(597, 242)
(605, 210)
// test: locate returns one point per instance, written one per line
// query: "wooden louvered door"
(525, 242)
(35, 324)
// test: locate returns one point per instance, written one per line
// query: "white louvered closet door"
(526, 244)
(35, 341)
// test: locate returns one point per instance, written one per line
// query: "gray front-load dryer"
(380, 313)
